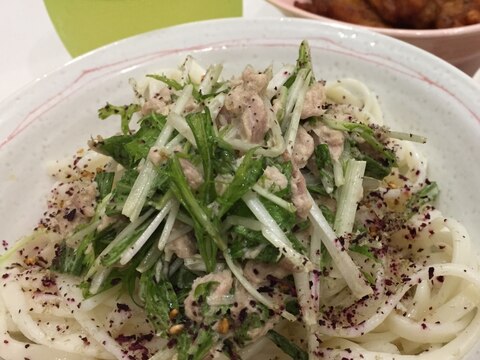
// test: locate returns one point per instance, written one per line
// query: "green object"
(287, 346)
(84, 25)
(246, 176)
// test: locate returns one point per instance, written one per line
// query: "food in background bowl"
(410, 14)
(457, 45)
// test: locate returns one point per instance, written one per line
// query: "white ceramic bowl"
(459, 46)
(53, 117)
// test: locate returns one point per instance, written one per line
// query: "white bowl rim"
(327, 22)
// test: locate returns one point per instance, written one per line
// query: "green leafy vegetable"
(253, 321)
(284, 218)
(204, 289)
(121, 191)
(75, 261)
(104, 237)
(182, 281)
(246, 176)
(327, 213)
(324, 164)
(202, 344)
(293, 307)
(424, 196)
(318, 189)
(126, 112)
(160, 299)
(224, 160)
(363, 250)
(104, 182)
(304, 61)
(369, 277)
(116, 252)
(129, 149)
(287, 346)
(373, 135)
(69, 260)
(166, 80)
(374, 168)
(207, 245)
(201, 125)
(245, 239)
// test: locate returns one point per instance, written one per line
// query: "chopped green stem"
(315, 258)
(78, 236)
(304, 297)
(97, 281)
(277, 81)
(287, 346)
(190, 203)
(167, 229)
(132, 250)
(167, 81)
(214, 106)
(349, 196)
(291, 132)
(274, 198)
(292, 97)
(210, 79)
(274, 234)
(179, 123)
(246, 176)
(366, 132)
(126, 232)
(184, 218)
(407, 136)
(338, 173)
(145, 180)
(424, 196)
(202, 128)
(172, 144)
(242, 221)
(342, 260)
(237, 272)
(139, 192)
(304, 60)
(185, 68)
(150, 259)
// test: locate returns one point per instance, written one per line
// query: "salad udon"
(272, 210)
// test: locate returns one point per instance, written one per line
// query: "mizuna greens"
(227, 211)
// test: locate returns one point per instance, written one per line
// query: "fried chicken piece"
(455, 13)
(353, 11)
(417, 14)
(318, 7)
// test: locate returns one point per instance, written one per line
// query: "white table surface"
(31, 48)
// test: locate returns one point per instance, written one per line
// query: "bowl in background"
(459, 46)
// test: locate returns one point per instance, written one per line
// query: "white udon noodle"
(442, 317)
